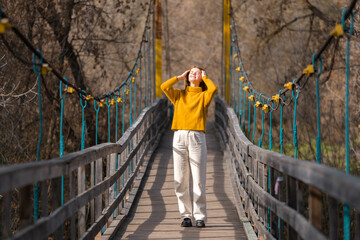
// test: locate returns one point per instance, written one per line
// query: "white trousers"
(189, 151)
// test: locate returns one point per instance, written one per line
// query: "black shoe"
(186, 222)
(200, 223)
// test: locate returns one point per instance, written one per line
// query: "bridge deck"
(156, 216)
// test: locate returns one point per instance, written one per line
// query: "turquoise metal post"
(347, 143)
(97, 108)
(244, 106)
(61, 134)
(145, 78)
(281, 122)
(134, 117)
(116, 97)
(294, 122)
(83, 106)
(238, 96)
(149, 66)
(108, 104)
(249, 117)
(318, 137)
(270, 123)
(140, 80)
(262, 121)
(254, 123)
(38, 74)
(123, 88)
(131, 100)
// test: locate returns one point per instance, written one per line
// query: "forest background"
(94, 44)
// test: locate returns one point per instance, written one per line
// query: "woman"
(189, 143)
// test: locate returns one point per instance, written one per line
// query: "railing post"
(25, 211)
(6, 215)
(315, 206)
(291, 202)
(72, 195)
(333, 218)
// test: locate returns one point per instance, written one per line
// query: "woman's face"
(195, 76)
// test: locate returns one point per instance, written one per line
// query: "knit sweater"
(190, 104)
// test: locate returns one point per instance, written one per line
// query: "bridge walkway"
(155, 214)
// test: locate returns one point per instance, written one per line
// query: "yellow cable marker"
(265, 108)
(309, 70)
(70, 90)
(258, 104)
(137, 70)
(238, 69)
(289, 85)
(242, 79)
(127, 92)
(251, 97)
(45, 69)
(235, 55)
(5, 25)
(119, 100)
(102, 103)
(112, 102)
(89, 98)
(338, 31)
(133, 79)
(246, 88)
(276, 98)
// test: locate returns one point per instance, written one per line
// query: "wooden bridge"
(125, 189)
(137, 200)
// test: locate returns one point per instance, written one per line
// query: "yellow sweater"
(190, 104)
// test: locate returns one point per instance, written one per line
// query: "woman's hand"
(183, 76)
(203, 73)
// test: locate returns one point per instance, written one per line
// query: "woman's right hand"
(183, 76)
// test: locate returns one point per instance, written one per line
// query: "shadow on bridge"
(155, 214)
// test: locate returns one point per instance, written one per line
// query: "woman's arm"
(169, 91)
(211, 90)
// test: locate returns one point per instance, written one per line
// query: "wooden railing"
(310, 198)
(104, 191)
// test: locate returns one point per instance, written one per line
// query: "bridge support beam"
(226, 49)
(158, 36)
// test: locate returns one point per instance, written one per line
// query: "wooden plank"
(333, 218)
(315, 207)
(357, 225)
(72, 188)
(81, 212)
(24, 209)
(44, 199)
(115, 225)
(293, 218)
(291, 202)
(6, 215)
(92, 182)
(90, 234)
(56, 202)
(158, 194)
(99, 178)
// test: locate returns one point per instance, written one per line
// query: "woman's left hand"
(203, 73)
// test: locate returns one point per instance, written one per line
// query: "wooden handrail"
(246, 158)
(15, 176)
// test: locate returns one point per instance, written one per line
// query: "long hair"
(202, 84)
